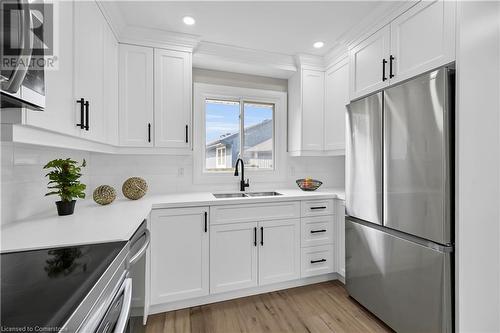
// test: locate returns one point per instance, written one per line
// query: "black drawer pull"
(255, 236)
(206, 221)
(316, 261)
(262, 236)
(82, 115)
(319, 207)
(149, 132)
(391, 59)
(316, 231)
(187, 133)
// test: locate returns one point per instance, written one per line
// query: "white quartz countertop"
(92, 223)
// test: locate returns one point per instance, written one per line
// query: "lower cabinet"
(250, 254)
(179, 254)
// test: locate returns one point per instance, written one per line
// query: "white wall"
(478, 167)
(238, 80)
(23, 182)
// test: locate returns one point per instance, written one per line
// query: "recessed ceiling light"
(188, 20)
(318, 45)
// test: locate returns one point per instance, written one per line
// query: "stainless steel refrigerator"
(399, 203)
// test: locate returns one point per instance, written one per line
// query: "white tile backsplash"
(24, 185)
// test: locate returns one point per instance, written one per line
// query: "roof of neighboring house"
(230, 137)
(263, 146)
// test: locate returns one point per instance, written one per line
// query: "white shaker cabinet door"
(172, 98)
(136, 96)
(366, 64)
(179, 254)
(423, 38)
(336, 99)
(313, 87)
(279, 251)
(233, 256)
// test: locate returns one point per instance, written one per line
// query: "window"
(238, 128)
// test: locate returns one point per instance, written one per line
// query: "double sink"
(245, 195)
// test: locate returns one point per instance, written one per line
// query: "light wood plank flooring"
(322, 307)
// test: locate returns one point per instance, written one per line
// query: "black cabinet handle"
(87, 115)
(316, 231)
(383, 69)
(206, 221)
(255, 236)
(316, 261)
(319, 207)
(82, 108)
(149, 132)
(187, 133)
(262, 236)
(391, 59)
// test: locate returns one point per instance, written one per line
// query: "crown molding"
(208, 55)
(159, 38)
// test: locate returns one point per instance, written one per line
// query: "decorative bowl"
(308, 184)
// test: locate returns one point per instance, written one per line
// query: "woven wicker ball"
(134, 188)
(104, 195)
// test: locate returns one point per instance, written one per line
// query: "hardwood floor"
(322, 307)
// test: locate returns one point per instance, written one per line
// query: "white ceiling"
(282, 27)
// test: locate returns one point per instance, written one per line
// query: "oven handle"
(138, 255)
(14, 83)
(121, 324)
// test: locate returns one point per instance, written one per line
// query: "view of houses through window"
(238, 128)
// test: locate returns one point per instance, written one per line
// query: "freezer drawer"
(417, 156)
(364, 159)
(405, 284)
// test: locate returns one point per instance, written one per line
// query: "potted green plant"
(64, 180)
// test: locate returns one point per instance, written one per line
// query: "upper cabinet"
(316, 110)
(136, 96)
(369, 63)
(420, 39)
(423, 38)
(172, 98)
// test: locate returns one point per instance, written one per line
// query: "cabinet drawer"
(316, 260)
(317, 230)
(317, 207)
(254, 212)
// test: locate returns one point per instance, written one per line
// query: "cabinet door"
(312, 109)
(423, 38)
(172, 98)
(89, 66)
(111, 86)
(179, 254)
(59, 115)
(136, 96)
(279, 251)
(233, 256)
(336, 99)
(366, 64)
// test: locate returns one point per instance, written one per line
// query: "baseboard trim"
(153, 309)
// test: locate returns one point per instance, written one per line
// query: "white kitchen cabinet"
(336, 99)
(312, 109)
(317, 260)
(59, 115)
(233, 256)
(90, 30)
(423, 38)
(172, 98)
(136, 96)
(179, 254)
(369, 64)
(279, 251)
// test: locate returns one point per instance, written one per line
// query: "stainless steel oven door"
(117, 315)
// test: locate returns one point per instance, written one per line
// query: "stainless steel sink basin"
(229, 195)
(263, 194)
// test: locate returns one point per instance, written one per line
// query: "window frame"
(204, 91)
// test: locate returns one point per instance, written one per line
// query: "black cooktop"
(42, 288)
